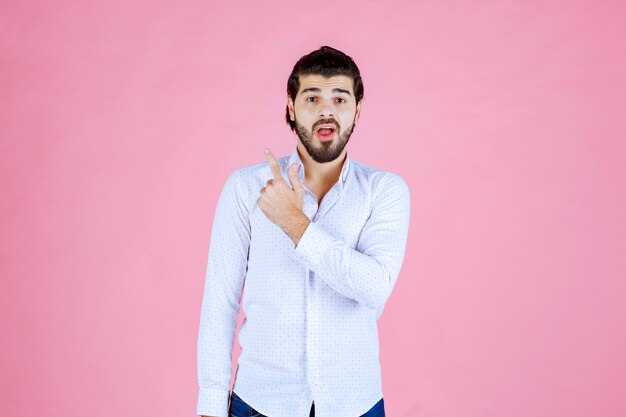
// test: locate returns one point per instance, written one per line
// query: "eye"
(311, 98)
(342, 100)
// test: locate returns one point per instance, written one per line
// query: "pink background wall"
(120, 123)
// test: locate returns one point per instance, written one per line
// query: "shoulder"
(253, 175)
(378, 179)
(247, 181)
(241, 180)
(256, 175)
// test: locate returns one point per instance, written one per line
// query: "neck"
(316, 172)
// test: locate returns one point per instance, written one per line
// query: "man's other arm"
(368, 273)
(225, 275)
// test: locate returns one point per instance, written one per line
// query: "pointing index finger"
(273, 165)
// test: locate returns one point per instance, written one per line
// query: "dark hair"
(327, 62)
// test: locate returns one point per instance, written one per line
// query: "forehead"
(326, 84)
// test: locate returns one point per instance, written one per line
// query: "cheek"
(347, 119)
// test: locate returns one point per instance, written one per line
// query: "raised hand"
(282, 204)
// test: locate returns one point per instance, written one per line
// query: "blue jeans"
(239, 408)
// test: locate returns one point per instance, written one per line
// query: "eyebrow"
(317, 90)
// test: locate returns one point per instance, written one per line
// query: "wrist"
(296, 226)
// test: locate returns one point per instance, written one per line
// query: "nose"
(326, 111)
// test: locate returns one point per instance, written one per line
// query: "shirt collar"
(295, 158)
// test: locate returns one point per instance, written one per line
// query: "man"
(318, 240)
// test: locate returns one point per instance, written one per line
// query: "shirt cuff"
(212, 402)
(312, 245)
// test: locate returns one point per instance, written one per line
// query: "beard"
(323, 151)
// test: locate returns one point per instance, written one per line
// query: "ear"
(358, 111)
(290, 107)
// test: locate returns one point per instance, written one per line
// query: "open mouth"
(325, 132)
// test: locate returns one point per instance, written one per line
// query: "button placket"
(311, 335)
(311, 210)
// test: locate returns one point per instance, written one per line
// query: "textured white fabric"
(310, 329)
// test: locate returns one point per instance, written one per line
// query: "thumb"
(295, 178)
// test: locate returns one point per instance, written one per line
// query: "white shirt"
(310, 330)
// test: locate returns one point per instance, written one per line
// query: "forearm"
(295, 225)
(215, 346)
(366, 273)
(354, 274)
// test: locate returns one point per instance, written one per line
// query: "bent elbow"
(382, 291)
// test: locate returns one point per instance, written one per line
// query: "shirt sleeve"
(368, 273)
(225, 275)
